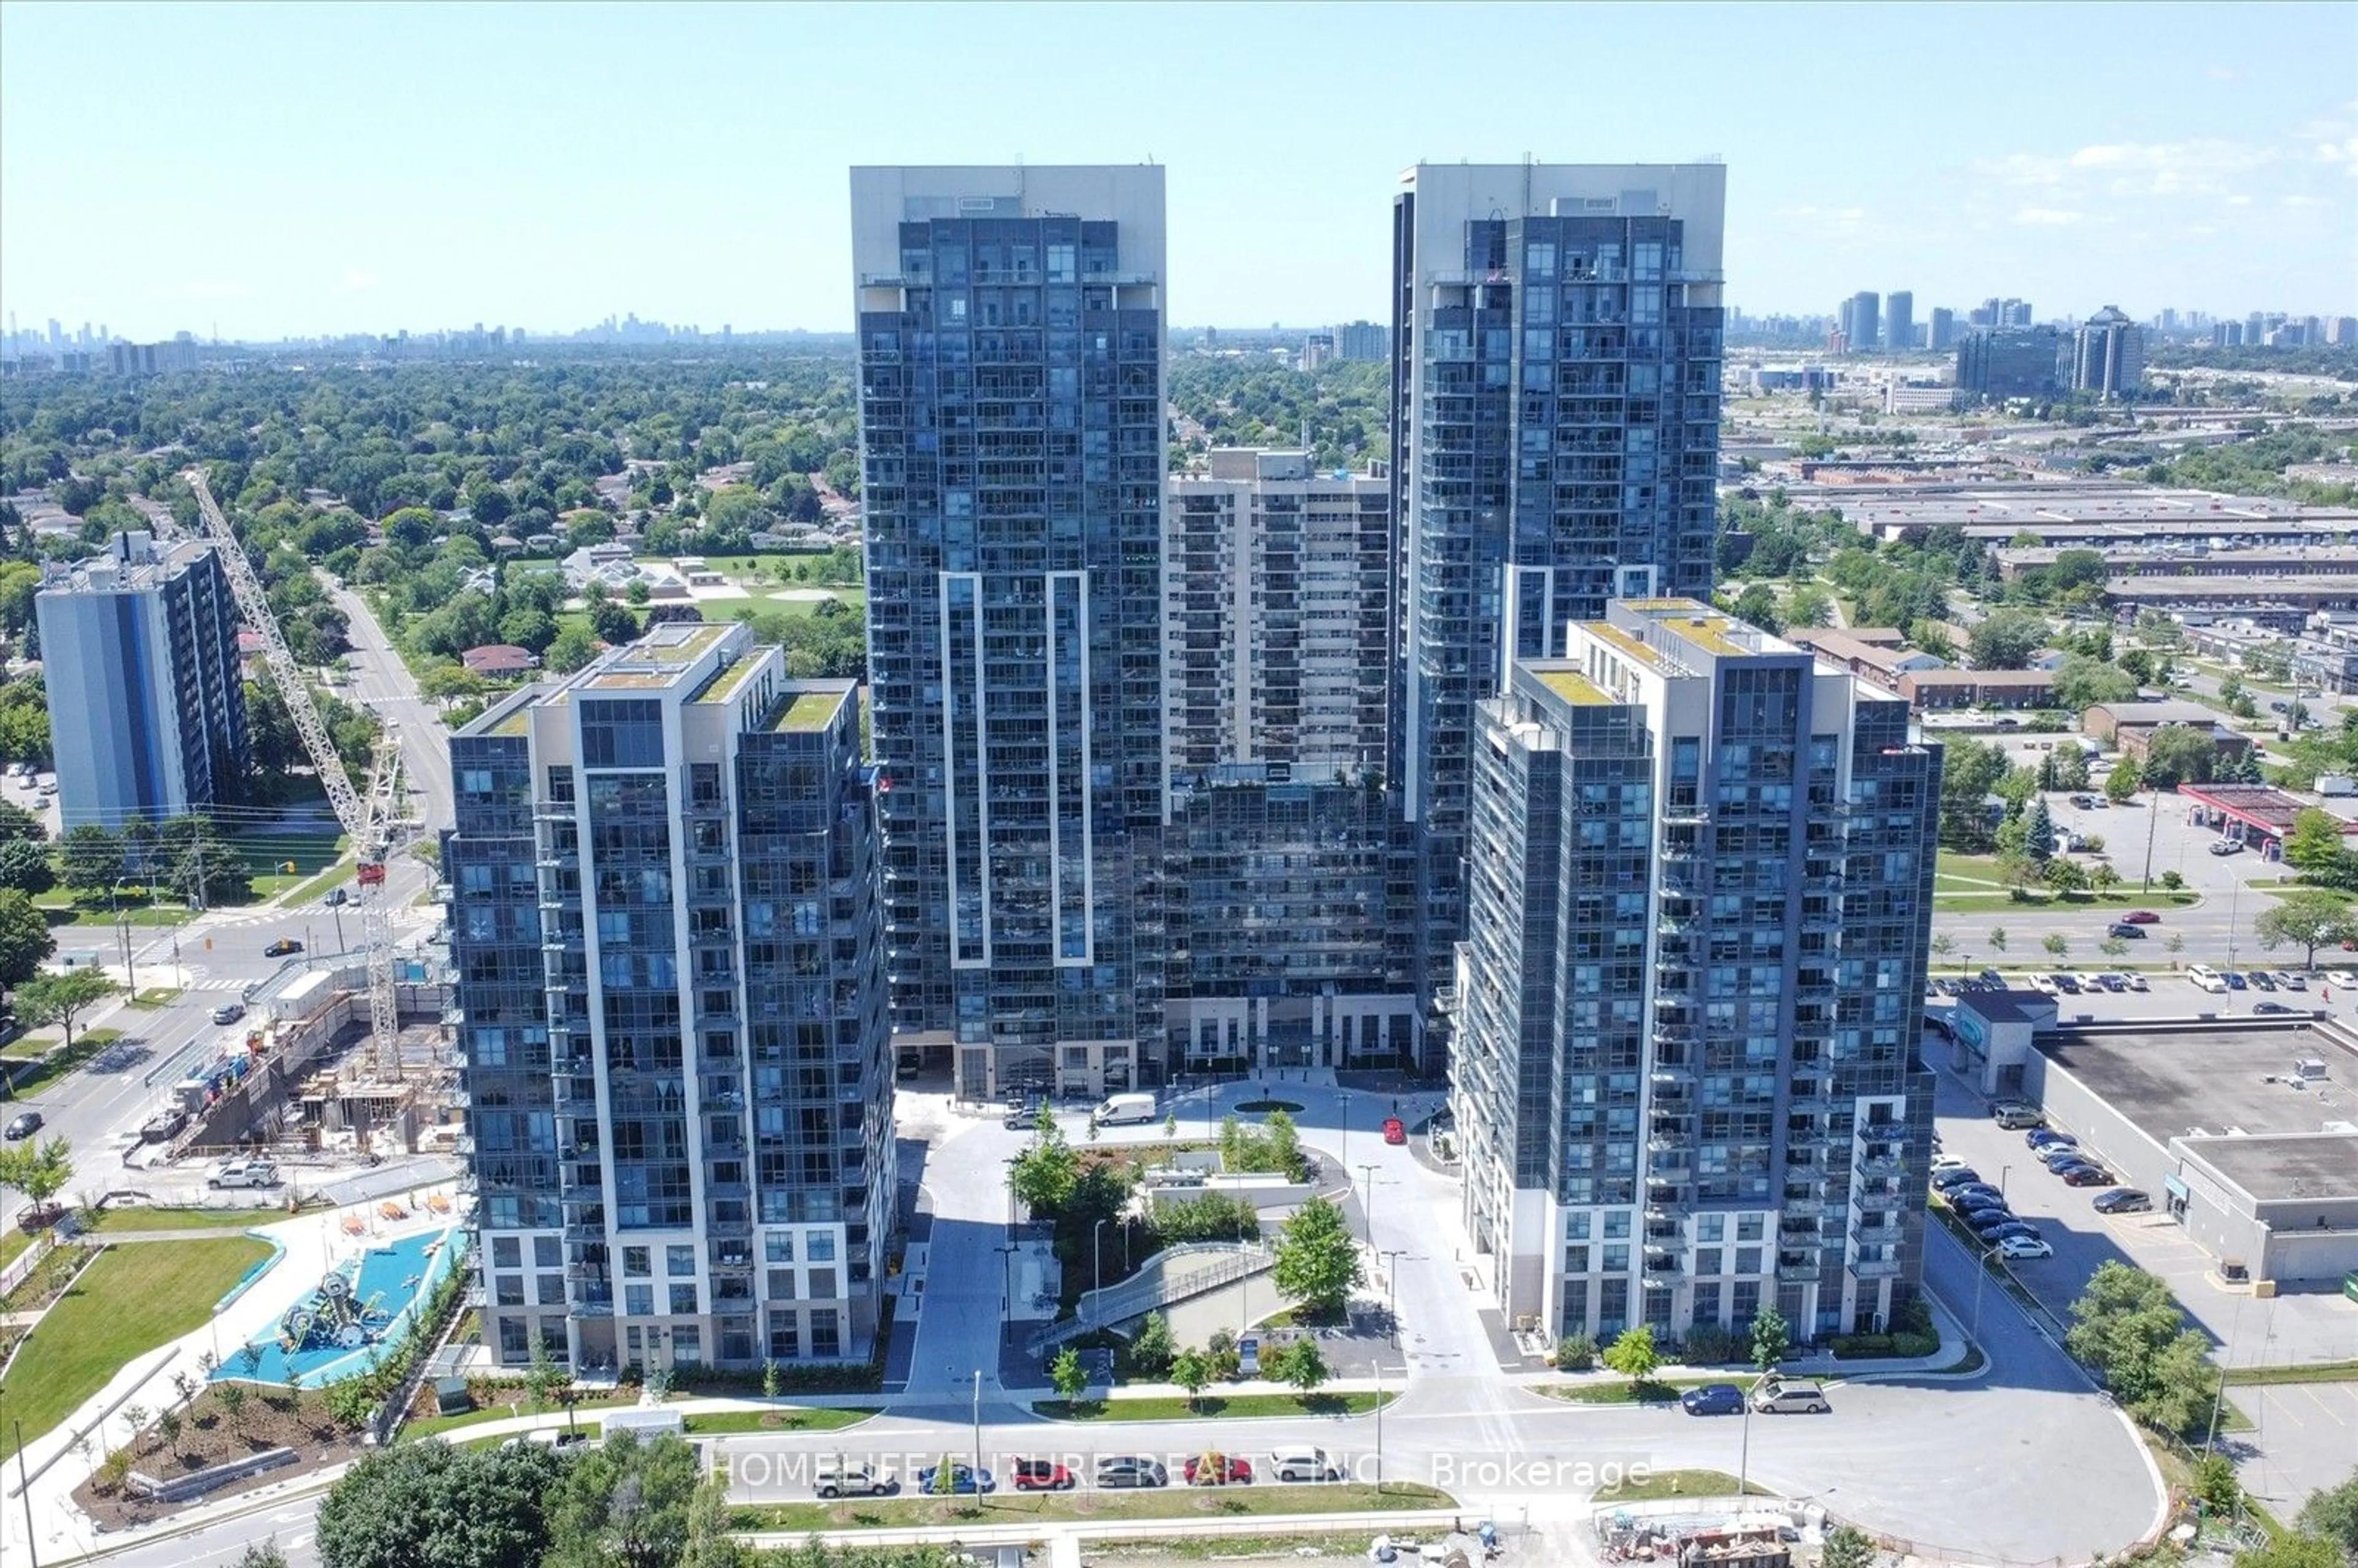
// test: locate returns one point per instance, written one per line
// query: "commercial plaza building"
(147, 700)
(1290, 933)
(1686, 1073)
(664, 921)
(1556, 339)
(1010, 325)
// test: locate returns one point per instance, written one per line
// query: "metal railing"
(1144, 1291)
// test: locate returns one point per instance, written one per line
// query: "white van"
(2206, 978)
(1118, 1110)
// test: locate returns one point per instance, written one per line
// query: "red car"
(1394, 1132)
(2141, 918)
(1219, 1470)
(1042, 1476)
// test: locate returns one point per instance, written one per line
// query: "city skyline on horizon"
(2224, 184)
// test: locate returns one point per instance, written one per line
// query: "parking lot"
(2305, 1440)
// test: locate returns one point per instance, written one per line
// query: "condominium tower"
(1011, 331)
(1686, 1077)
(664, 918)
(1291, 939)
(147, 702)
(1556, 336)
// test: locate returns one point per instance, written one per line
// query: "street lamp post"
(1392, 1288)
(1380, 1426)
(978, 1433)
(1368, 1199)
(1096, 1248)
(1744, 1453)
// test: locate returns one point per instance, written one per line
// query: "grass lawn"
(132, 1300)
(1176, 1501)
(310, 850)
(788, 1418)
(1156, 1408)
(1653, 1391)
(586, 1410)
(155, 996)
(317, 887)
(47, 1063)
(133, 1218)
(1663, 1483)
(2312, 1372)
(61, 908)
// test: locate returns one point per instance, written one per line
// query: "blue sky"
(290, 169)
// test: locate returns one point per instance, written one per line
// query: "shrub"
(1908, 1344)
(1861, 1346)
(1576, 1353)
(1707, 1342)
(113, 1470)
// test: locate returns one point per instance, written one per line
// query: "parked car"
(24, 1124)
(2271, 1007)
(2288, 981)
(1302, 1465)
(1021, 1117)
(244, 1173)
(337, 898)
(2262, 980)
(1778, 1396)
(2015, 1249)
(1945, 1162)
(2113, 981)
(2141, 918)
(1131, 1470)
(2055, 1156)
(2226, 846)
(1972, 1193)
(2012, 1230)
(1712, 1398)
(1954, 1176)
(2124, 1200)
(2047, 1138)
(1992, 979)
(282, 947)
(2236, 980)
(2087, 1176)
(1042, 1476)
(1395, 1130)
(229, 1012)
(2138, 983)
(2122, 928)
(964, 1481)
(2084, 802)
(834, 1477)
(2014, 1116)
(2066, 983)
(1219, 1470)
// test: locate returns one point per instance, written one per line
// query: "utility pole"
(1368, 1200)
(978, 1434)
(25, 1490)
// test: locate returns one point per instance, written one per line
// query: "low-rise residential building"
(1939, 691)
(2129, 726)
(1881, 663)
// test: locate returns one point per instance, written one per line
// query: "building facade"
(1862, 322)
(1900, 322)
(665, 922)
(1556, 335)
(1687, 1078)
(1012, 349)
(147, 699)
(1291, 937)
(2030, 362)
(2108, 356)
(1362, 342)
(1943, 334)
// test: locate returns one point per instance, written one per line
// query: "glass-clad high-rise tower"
(1011, 439)
(1555, 437)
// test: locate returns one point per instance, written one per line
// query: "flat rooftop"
(1572, 685)
(2320, 1165)
(2207, 1079)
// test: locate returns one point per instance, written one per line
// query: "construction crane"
(368, 822)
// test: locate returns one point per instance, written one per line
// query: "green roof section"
(811, 710)
(1574, 687)
(731, 678)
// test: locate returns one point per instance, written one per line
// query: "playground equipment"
(330, 1316)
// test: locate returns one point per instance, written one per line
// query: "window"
(636, 1262)
(1616, 1259)
(1749, 1226)
(1575, 1260)
(639, 1301)
(1711, 1227)
(779, 1246)
(547, 1253)
(507, 1252)
(683, 1301)
(826, 1337)
(819, 1247)
(679, 1261)
(552, 1289)
(508, 1290)
(514, 1344)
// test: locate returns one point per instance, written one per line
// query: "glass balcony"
(1796, 1270)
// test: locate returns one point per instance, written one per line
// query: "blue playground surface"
(360, 1308)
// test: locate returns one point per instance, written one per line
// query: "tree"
(168, 1424)
(428, 1503)
(2056, 944)
(1071, 1377)
(263, 1554)
(545, 1378)
(1152, 1351)
(2315, 842)
(25, 866)
(2177, 754)
(613, 622)
(2308, 920)
(2064, 877)
(627, 1504)
(2334, 1514)
(39, 1172)
(2082, 683)
(2127, 1329)
(349, 1403)
(1285, 1145)
(1191, 1369)
(1757, 605)
(1044, 1175)
(62, 999)
(230, 1396)
(2071, 768)
(2005, 640)
(2103, 877)
(1772, 1338)
(1847, 1546)
(1970, 772)
(25, 940)
(2123, 783)
(2294, 1550)
(91, 857)
(1317, 1261)
(2038, 834)
(1301, 1366)
(1997, 937)
(574, 646)
(1809, 605)
(1633, 1353)
(17, 823)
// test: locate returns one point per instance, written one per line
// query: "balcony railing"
(1875, 1268)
